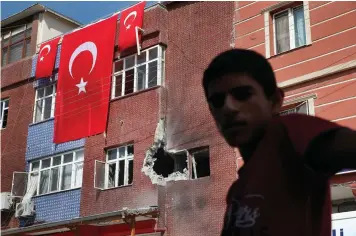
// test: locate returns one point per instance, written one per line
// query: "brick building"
(161, 168)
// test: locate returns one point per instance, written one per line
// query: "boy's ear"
(277, 101)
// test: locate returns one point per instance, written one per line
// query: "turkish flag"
(46, 58)
(130, 18)
(83, 89)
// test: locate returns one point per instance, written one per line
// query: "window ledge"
(61, 191)
(13, 63)
(40, 122)
(201, 178)
(123, 186)
(135, 93)
(291, 50)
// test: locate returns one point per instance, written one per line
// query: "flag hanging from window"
(46, 58)
(129, 20)
(84, 77)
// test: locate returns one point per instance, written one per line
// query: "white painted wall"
(343, 224)
(51, 26)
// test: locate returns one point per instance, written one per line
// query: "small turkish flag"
(46, 58)
(129, 20)
(83, 89)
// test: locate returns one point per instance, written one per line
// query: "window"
(44, 104)
(16, 44)
(119, 166)
(200, 164)
(57, 173)
(301, 108)
(289, 29)
(193, 164)
(4, 112)
(138, 72)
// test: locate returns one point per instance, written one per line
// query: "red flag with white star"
(130, 18)
(46, 58)
(83, 89)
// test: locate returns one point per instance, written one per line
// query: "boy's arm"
(332, 151)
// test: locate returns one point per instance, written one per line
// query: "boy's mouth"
(234, 126)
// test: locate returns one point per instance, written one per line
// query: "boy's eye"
(241, 94)
(217, 100)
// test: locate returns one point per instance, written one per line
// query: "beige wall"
(51, 26)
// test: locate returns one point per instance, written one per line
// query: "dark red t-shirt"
(276, 193)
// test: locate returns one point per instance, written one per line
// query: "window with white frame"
(44, 104)
(289, 29)
(16, 44)
(4, 112)
(297, 108)
(57, 173)
(119, 166)
(138, 72)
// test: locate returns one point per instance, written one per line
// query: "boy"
(283, 186)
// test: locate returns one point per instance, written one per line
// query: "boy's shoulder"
(303, 129)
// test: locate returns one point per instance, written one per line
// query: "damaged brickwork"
(157, 160)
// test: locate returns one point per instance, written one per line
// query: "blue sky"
(82, 11)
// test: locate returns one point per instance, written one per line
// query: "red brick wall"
(197, 31)
(15, 86)
(132, 118)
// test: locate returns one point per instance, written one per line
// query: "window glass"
(54, 179)
(112, 154)
(67, 177)
(68, 158)
(57, 160)
(46, 163)
(15, 52)
(129, 62)
(79, 155)
(44, 181)
(112, 171)
(153, 53)
(299, 26)
(282, 32)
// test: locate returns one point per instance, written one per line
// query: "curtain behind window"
(299, 27)
(282, 32)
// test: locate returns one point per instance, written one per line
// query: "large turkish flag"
(130, 18)
(46, 58)
(84, 78)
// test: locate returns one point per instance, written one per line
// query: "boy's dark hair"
(242, 61)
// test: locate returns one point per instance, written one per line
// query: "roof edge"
(32, 10)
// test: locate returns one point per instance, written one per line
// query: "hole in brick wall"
(168, 163)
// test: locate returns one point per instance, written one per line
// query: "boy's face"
(240, 107)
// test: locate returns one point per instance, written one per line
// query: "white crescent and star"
(132, 14)
(87, 46)
(49, 49)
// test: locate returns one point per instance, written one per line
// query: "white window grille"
(58, 173)
(44, 103)
(117, 170)
(289, 29)
(138, 72)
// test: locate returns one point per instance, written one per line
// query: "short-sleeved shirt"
(277, 194)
